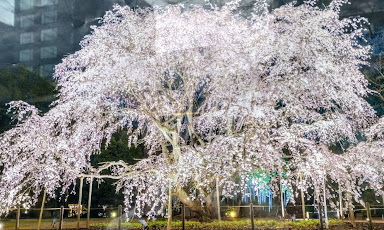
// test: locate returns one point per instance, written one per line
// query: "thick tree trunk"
(195, 205)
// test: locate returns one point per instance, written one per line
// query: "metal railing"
(253, 211)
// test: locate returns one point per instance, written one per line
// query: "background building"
(39, 33)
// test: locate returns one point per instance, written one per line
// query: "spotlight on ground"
(113, 214)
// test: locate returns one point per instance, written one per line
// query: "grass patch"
(233, 224)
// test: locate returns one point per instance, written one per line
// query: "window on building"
(26, 55)
(26, 21)
(26, 4)
(26, 38)
(49, 2)
(47, 69)
(48, 52)
(48, 34)
(49, 17)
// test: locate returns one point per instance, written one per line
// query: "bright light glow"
(113, 214)
(232, 214)
(1, 225)
(367, 218)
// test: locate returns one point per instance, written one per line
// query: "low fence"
(57, 215)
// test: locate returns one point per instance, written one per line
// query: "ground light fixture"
(232, 214)
(113, 214)
(1, 225)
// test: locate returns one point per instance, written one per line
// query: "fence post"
(369, 215)
(41, 210)
(18, 217)
(120, 211)
(61, 217)
(79, 203)
(183, 215)
(251, 213)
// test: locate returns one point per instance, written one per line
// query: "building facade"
(42, 32)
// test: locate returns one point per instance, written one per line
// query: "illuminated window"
(49, 17)
(26, 21)
(26, 38)
(48, 34)
(49, 2)
(26, 55)
(26, 4)
(48, 52)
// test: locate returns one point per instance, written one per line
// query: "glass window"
(26, 38)
(47, 69)
(26, 4)
(48, 34)
(49, 17)
(48, 52)
(26, 21)
(26, 55)
(49, 2)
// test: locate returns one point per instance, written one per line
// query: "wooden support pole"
(89, 201)
(320, 215)
(169, 223)
(302, 196)
(218, 199)
(325, 207)
(18, 217)
(319, 208)
(79, 203)
(252, 216)
(183, 216)
(341, 215)
(120, 213)
(41, 210)
(282, 198)
(61, 217)
(351, 212)
(369, 215)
